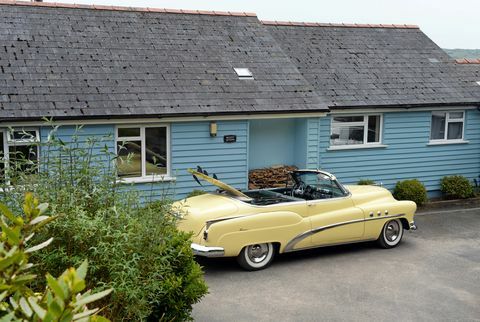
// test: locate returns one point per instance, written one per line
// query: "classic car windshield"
(318, 184)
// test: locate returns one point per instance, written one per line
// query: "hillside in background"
(463, 53)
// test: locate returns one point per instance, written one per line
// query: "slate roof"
(75, 61)
(469, 70)
(369, 66)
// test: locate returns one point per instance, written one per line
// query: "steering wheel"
(299, 189)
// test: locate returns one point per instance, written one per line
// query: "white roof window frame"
(243, 73)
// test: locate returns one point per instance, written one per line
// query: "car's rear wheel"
(392, 233)
(256, 257)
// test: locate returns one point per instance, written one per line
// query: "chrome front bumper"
(413, 226)
(205, 251)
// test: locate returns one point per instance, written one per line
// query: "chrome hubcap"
(257, 253)
(392, 231)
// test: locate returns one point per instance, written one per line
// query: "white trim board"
(155, 120)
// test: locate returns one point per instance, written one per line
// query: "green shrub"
(135, 250)
(365, 182)
(412, 190)
(61, 299)
(196, 193)
(456, 187)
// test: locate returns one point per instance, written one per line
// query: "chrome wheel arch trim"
(291, 244)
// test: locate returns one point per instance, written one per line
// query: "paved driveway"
(434, 275)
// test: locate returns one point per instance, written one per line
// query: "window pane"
(2, 160)
(438, 126)
(346, 135)
(456, 115)
(128, 131)
(455, 130)
(23, 159)
(344, 119)
(24, 135)
(156, 150)
(373, 129)
(129, 161)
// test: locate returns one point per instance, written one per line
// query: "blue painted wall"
(302, 142)
(408, 154)
(191, 145)
(279, 142)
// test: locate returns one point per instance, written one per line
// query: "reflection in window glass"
(455, 130)
(2, 160)
(156, 150)
(373, 129)
(129, 161)
(128, 131)
(24, 135)
(438, 126)
(355, 130)
(346, 135)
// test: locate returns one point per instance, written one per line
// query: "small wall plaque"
(229, 138)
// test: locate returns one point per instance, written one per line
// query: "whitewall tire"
(256, 257)
(391, 235)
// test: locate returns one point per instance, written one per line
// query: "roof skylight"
(244, 73)
(478, 83)
(433, 60)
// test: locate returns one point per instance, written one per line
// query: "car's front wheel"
(256, 257)
(392, 234)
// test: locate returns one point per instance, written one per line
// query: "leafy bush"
(135, 250)
(365, 182)
(412, 190)
(62, 299)
(196, 193)
(456, 187)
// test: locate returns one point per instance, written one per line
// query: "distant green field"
(463, 53)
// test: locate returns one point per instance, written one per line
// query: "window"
(142, 151)
(447, 126)
(19, 153)
(356, 130)
(243, 73)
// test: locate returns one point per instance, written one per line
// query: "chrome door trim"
(308, 233)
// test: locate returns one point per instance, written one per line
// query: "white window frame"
(8, 141)
(448, 120)
(365, 143)
(144, 178)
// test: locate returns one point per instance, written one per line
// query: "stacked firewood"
(273, 177)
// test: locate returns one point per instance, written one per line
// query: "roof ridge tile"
(467, 61)
(340, 25)
(121, 8)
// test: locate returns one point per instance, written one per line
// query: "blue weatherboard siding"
(97, 137)
(408, 154)
(191, 145)
(282, 142)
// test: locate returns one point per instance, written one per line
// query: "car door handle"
(311, 204)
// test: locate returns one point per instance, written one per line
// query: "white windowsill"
(355, 147)
(150, 179)
(445, 142)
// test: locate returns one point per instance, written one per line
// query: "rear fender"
(238, 232)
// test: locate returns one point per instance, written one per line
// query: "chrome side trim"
(205, 251)
(308, 233)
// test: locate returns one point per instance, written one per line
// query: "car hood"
(366, 194)
(196, 211)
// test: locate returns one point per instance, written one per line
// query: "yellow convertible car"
(314, 211)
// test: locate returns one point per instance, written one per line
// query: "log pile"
(273, 177)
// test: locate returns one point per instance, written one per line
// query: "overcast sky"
(451, 24)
